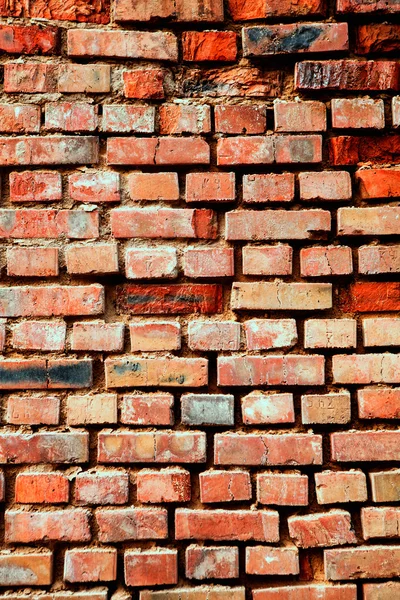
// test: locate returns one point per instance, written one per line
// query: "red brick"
(102, 487)
(224, 486)
(150, 336)
(183, 298)
(92, 259)
(69, 525)
(30, 78)
(35, 186)
(334, 407)
(148, 409)
(213, 336)
(201, 593)
(333, 487)
(330, 333)
(70, 116)
(84, 410)
(268, 188)
(158, 566)
(379, 522)
(124, 524)
(182, 118)
(84, 11)
(275, 369)
(276, 224)
(320, 261)
(372, 297)
(144, 84)
(41, 488)
(31, 39)
(267, 449)
(381, 591)
(238, 525)
(121, 118)
(366, 368)
(32, 262)
(48, 223)
(348, 150)
(94, 186)
(241, 119)
(378, 183)
(266, 150)
(150, 263)
(165, 485)
(317, 591)
(153, 186)
(83, 565)
(98, 336)
(247, 10)
(19, 118)
(2, 334)
(381, 332)
(379, 259)
(260, 408)
(357, 113)
(282, 489)
(210, 187)
(299, 116)
(65, 150)
(147, 447)
(43, 301)
(123, 372)
(281, 296)
(380, 220)
(212, 562)
(264, 560)
(379, 403)
(157, 151)
(264, 334)
(208, 262)
(26, 568)
(385, 486)
(351, 75)
(396, 111)
(354, 6)
(294, 38)
(182, 10)
(362, 562)
(365, 446)
(33, 410)
(243, 81)
(322, 529)
(89, 79)
(39, 335)
(267, 260)
(116, 43)
(209, 46)
(325, 185)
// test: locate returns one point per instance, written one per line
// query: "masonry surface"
(199, 300)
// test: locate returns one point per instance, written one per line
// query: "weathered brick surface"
(199, 298)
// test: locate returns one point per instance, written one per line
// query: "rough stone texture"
(199, 299)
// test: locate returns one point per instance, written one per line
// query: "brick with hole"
(246, 118)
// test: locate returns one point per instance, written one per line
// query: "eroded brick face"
(199, 300)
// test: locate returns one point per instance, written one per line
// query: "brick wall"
(199, 300)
